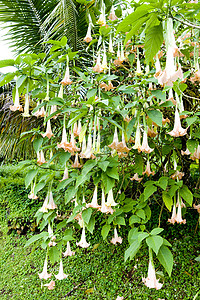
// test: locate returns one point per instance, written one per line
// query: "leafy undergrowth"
(98, 272)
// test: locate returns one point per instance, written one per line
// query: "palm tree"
(32, 22)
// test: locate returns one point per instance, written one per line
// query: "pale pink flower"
(16, 105)
(77, 128)
(112, 16)
(145, 147)
(40, 158)
(116, 239)
(53, 110)
(83, 242)
(64, 142)
(68, 251)
(51, 204)
(44, 274)
(88, 37)
(173, 218)
(178, 217)
(177, 130)
(50, 285)
(110, 47)
(94, 202)
(76, 163)
(135, 177)
(104, 208)
(119, 298)
(26, 106)
(151, 281)
(197, 207)
(61, 275)
(44, 207)
(148, 170)
(66, 80)
(110, 199)
(196, 154)
(48, 132)
(65, 175)
(137, 138)
(32, 196)
(98, 68)
(88, 152)
(186, 152)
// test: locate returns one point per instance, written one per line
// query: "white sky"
(5, 51)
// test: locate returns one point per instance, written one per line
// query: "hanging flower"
(66, 80)
(98, 68)
(83, 242)
(177, 130)
(186, 152)
(44, 274)
(26, 107)
(64, 142)
(88, 37)
(145, 147)
(40, 158)
(137, 138)
(48, 132)
(104, 208)
(173, 218)
(110, 47)
(116, 239)
(135, 177)
(148, 170)
(53, 110)
(65, 175)
(110, 199)
(151, 281)
(68, 251)
(51, 204)
(61, 275)
(76, 163)
(94, 203)
(44, 207)
(178, 217)
(112, 16)
(16, 105)
(32, 194)
(196, 154)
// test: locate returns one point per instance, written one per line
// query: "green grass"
(99, 273)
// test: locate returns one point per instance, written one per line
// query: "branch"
(185, 22)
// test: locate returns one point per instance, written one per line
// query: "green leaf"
(156, 116)
(108, 182)
(105, 230)
(91, 224)
(103, 165)
(191, 120)
(6, 63)
(186, 194)
(36, 238)
(70, 193)
(192, 145)
(136, 27)
(112, 172)
(134, 219)
(37, 143)
(156, 231)
(91, 93)
(140, 213)
(81, 179)
(159, 94)
(54, 254)
(76, 118)
(167, 199)
(139, 164)
(64, 157)
(148, 191)
(39, 187)
(153, 42)
(86, 215)
(132, 250)
(30, 176)
(154, 242)
(142, 236)
(64, 183)
(120, 221)
(129, 128)
(166, 258)
(88, 166)
(132, 18)
(162, 182)
(7, 78)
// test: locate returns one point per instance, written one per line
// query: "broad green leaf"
(120, 221)
(132, 235)
(159, 94)
(156, 231)
(167, 199)
(154, 242)
(81, 179)
(105, 230)
(7, 78)
(134, 219)
(153, 21)
(140, 213)
(153, 42)
(86, 215)
(156, 116)
(64, 183)
(36, 238)
(70, 193)
(54, 254)
(136, 27)
(132, 250)
(37, 143)
(112, 172)
(129, 128)
(91, 224)
(148, 191)
(191, 120)
(76, 118)
(6, 63)
(103, 165)
(166, 258)
(91, 93)
(108, 182)
(192, 145)
(142, 236)
(139, 164)
(68, 238)
(64, 157)
(88, 166)
(162, 182)
(132, 18)
(39, 187)
(30, 176)
(186, 194)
